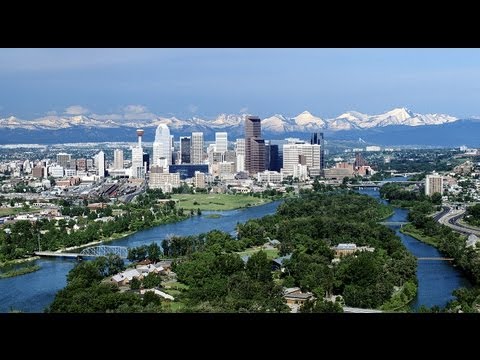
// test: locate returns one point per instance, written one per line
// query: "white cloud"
(51, 113)
(76, 110)
(192, 108)
(244, 109)
(135, 109)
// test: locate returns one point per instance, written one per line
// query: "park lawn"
(271, 253)
(12, 211)
(217, 202)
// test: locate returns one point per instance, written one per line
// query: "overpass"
(381, 183)
(93, 251)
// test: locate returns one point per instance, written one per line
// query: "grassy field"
(217, 201)
(271, 253)
(11, 211)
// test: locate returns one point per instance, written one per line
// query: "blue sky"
(207, 82)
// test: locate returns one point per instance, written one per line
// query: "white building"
(56, 171)
(100, 164)
(373, 148)
(164, 181)
(300, 153)
(199, 180)
(270, 177)
(118, 159)
(197, 148)
(162, 146)
(240, 153)
(221, 141)
(138, 168)
(70, 172)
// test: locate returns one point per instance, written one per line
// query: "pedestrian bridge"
(93, 251)
(393, 223)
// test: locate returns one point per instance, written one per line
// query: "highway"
(450, 216)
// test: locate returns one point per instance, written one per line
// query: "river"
(436, 279)
(35, 291)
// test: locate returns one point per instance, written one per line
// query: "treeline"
(449, 242)
(24, 237)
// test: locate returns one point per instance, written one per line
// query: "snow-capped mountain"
(304, 122)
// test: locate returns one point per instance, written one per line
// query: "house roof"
(281, 259)
(349, 246)
(300, 296)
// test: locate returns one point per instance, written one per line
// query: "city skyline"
(144, 83)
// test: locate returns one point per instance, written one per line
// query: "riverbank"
(412, 231)
(20, 271)
(217, 202)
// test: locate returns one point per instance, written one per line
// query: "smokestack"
(140, 133)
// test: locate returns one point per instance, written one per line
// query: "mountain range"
(382, 128)
(277, 123)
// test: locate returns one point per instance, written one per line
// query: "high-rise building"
(64, 159)
(197, 148)
(296, 153)
(317, 138)
(221, 141)
(118, 159)
(254, 146)
(433, 184)
(82, 164)
(138, 169)
(185, 149)
(100, 164)
(240, 153)
(272, 159)
(146, 161)
(162, 146)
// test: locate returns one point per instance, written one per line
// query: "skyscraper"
(317, 139)
(138, 170)
(118, 159)
(100, 164)
(240, 153)
(254, 146)
(272, 159)
(197, 148)
(221, 141)
(162, 146)
(185, 149)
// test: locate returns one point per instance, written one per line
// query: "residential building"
(433, 184)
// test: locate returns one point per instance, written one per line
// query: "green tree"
(259, 267)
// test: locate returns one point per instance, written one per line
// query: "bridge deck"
(435, 258)
(56, 254)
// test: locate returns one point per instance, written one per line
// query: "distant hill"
(396, 127)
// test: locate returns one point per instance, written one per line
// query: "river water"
(35, 291)
(436, 279)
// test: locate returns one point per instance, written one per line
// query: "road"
(450, 216)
